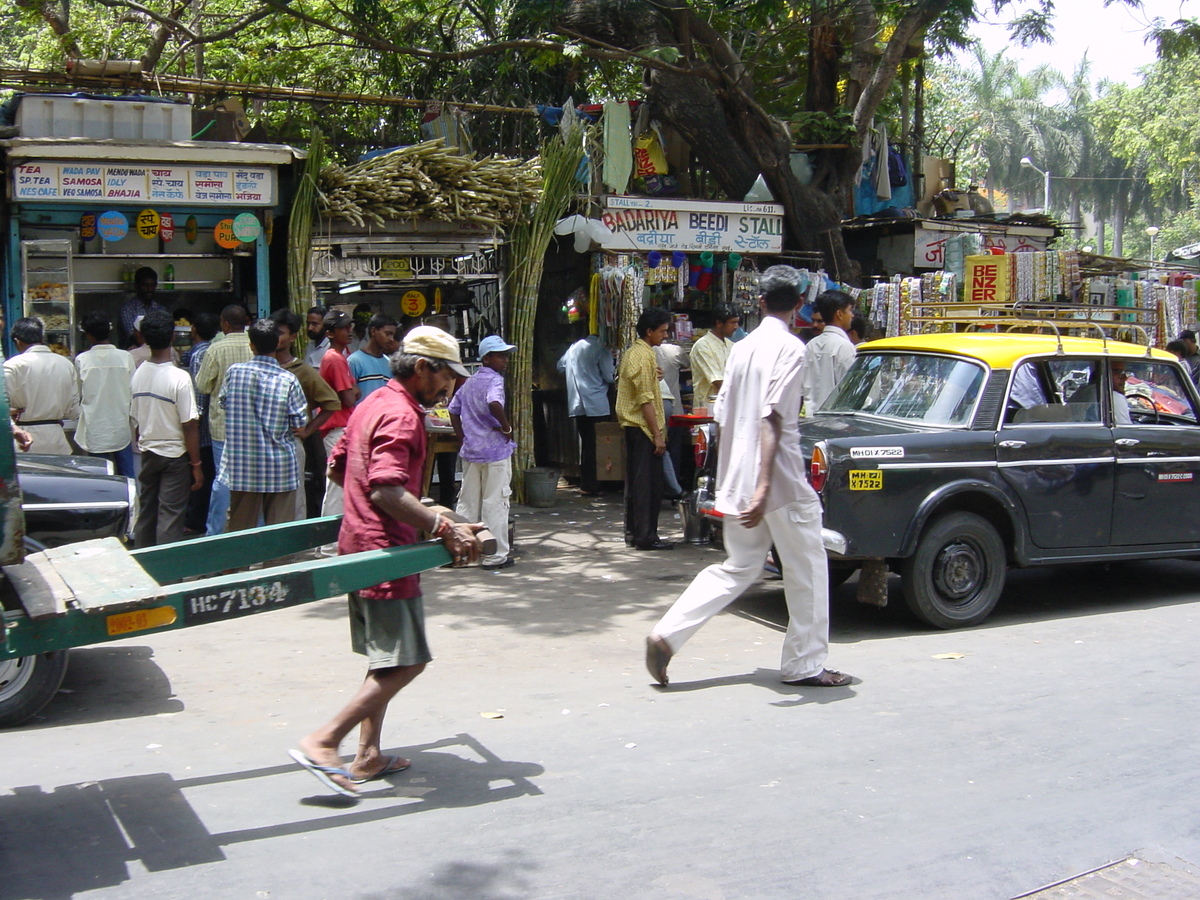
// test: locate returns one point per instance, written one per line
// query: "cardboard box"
(610, 451)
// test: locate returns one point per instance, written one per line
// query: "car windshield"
(933, 390)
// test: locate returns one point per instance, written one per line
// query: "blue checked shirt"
(263, 403)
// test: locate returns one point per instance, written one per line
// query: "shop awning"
(211, 152)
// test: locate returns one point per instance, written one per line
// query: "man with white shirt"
(105, 396)
(829, 355)
(43, 388)
(766, 499)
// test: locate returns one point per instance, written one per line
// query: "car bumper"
(834, 541)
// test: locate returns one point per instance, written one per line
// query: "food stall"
(84, 214)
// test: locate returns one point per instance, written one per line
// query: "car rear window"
(916, 387)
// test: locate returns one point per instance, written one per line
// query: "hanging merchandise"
(585, 230)
(618, 154)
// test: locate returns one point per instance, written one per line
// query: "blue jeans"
(218, 502)
(122, 460)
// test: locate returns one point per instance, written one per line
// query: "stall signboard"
(121, 183)
(147, 224)
(224, 235)
(929, 245)
(986, 279)
(247, 228)
(642, 224)
(413, 303)
(113, 225)
(166, 227)
(87, 226)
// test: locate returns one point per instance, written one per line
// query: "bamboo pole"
(528, 242)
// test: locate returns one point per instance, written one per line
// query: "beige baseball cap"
(425, 340)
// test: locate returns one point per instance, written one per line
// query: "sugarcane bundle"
(431, 181)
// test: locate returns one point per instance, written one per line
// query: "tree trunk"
(1118, 244)
(698, 117)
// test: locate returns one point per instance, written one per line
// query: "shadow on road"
(81, 837)
(105, 683)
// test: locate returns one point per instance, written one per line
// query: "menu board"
(111, 182)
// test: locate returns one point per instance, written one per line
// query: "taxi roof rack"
(1008, 322)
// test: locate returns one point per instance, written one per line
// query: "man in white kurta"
(830, 354)
(765, 497)
(43, 388)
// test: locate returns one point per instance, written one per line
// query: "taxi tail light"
(818, 469)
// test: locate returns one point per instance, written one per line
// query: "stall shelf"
(48, 285)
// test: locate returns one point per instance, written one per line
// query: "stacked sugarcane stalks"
(301, 295)
(528, 240)
(431, 181)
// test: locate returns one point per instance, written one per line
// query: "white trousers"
(332, 504)
(483, 497)
(795, 530)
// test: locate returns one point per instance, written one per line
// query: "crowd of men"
(218, 440)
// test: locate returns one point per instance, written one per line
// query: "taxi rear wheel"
(955, 577)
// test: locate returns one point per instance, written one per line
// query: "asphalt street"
(1058, 737)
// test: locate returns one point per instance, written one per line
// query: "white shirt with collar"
(105, 399)
(827, 359)
(762, 376)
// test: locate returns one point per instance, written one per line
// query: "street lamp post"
(1027, 163)
(1152, 231)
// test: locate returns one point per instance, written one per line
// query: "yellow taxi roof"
(1001, 351)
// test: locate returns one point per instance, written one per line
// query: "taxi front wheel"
(955, 577)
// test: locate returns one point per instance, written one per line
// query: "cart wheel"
(28, 683)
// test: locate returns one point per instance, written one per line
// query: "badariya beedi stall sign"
(642, 224)
(42, 181)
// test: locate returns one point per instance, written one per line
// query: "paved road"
(1063, 739)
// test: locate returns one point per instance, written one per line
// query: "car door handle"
(1126, 442)
(1012, 445)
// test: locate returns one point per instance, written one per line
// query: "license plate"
(866, 479)
(140, 620)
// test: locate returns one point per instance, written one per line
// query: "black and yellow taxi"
(951, 457)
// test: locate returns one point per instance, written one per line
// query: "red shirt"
(335, 369)
(383, 444)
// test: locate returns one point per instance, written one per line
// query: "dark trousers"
(447, 464)
(197, 508)
(643, 488)
(586, 426)
(246, 508)
(314, 473)
(164, 485)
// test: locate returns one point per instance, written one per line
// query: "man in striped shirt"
(264, 409)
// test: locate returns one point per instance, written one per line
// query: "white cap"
(425, 340)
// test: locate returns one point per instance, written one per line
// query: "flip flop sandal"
(322, 773)
(392, 767)
(836, 679)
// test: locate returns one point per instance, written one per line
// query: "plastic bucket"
(541, 486)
